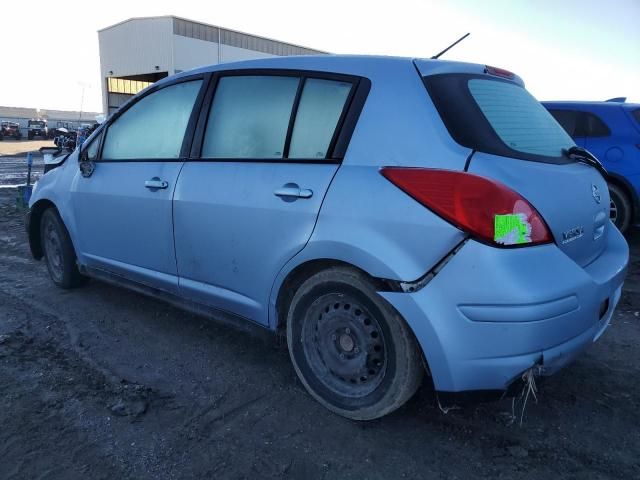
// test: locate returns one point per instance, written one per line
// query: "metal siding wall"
(135, 47)
(245, 41)
(234, 54)
(191, 53)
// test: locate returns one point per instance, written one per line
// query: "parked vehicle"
(55, 131)
(10, 130)
(37, 128)
(611, 131)
(391, 216)
(65, 139)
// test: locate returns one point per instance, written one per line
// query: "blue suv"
(391, 217)
(611, 131)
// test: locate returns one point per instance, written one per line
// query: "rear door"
(249, 200)
(517, 142)
(123, 210)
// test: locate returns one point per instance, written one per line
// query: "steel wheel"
(351, 349)
(58, 251)
(344, 345)
(613, 212)
(53, 249)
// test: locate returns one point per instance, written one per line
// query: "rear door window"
(594, 126)
(571, 121)
(249, 117)
(320, 108)
(274, 117)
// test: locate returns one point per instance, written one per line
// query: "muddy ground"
(101, 383)
(10, 147)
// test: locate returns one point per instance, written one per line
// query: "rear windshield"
(497, 116)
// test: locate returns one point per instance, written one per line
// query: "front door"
(123, 210)
(250, 203)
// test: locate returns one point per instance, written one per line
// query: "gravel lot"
(22, 147)
(100, 382)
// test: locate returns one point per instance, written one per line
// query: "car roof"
(360, 65)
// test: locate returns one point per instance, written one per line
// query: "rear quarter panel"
(367, 222)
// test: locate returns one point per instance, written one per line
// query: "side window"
(569, 120)
(321, 104)
(249, 117)
(595, 127)
(154, 127)
(91, 151)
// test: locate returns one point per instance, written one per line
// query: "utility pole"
(83, 85)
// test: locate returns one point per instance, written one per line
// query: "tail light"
(487, 209)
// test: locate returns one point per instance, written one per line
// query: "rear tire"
(58, 250)
(351, 349)
(621, 208)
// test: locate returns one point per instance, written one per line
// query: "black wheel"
(621, 208)
(351, 349)
(59, 254)
(29, 136)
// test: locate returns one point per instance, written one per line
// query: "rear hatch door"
(572, 198)
(516, 141)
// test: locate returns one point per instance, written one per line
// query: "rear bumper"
(491, 313)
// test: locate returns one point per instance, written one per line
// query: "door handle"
(155, 184)
(291, 190)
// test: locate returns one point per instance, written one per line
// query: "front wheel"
(621, 208)
(59, 254)
(350, 348)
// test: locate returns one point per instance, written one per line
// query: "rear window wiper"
(583, 155)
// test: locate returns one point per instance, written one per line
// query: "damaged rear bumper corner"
(530, 306)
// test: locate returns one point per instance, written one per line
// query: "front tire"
(351, 349)
(58, 250)
(621, 208)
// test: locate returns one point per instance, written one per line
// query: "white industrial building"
(140, 51)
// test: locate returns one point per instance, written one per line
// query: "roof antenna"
(451, 46)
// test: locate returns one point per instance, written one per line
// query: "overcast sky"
(571, 49)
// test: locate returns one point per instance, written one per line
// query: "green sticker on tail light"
(511, 229)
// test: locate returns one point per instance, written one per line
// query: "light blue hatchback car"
(392, 216)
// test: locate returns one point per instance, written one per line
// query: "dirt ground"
(103, 383)
(10, 147)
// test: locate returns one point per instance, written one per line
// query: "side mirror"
(86, 166)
